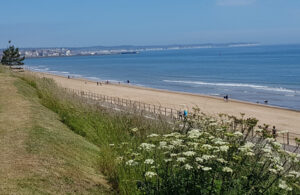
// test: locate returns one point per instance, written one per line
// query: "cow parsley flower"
(221, 160)
(284, 186)
(146, 146)
(206, 168)
(188, 167)
(131, 163)
(238, 134)
(181, 159)
(194, 133)
(149, 161)
(224, 148)
(153, 135)
(150, 174)
(206, 146)
(189, 153)
(198, 159)
(207, 157)
(173, 155)
(134, 129)
(227, 170)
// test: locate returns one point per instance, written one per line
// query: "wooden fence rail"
(287, 138)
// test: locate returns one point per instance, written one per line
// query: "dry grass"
(39, 154)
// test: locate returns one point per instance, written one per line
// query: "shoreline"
(282, 118)
(169, 91)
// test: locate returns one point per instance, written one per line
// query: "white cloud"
(234, 2)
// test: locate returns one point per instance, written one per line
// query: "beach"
(283, 119)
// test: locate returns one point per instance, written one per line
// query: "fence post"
(288, 138)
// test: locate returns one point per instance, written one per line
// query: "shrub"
(211, 158)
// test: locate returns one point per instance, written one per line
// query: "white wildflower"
(247, 147)
(219, 141)
(273, 171)
(150, 174)
(267, 149)
(206, 168)
(173, 155)
(194, 133)
(170, 147)
(146, 146)
(269, 139)
(168, 160)
(149, 161)
(181, 159)
(206, 146)
(284, 186)
(221, 160)
(111, 145)
(134, 129)
(224, 148)
(207, 157)
(163, 143)
(153, 135)
(188, 167)
(189, 153)
(250, 154)
(227, 170)
(131, 163)
(276, 144)
(238, 134)
(177, 142)
(198, 159)
(295, 173)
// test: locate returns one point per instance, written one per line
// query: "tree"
(11, 56)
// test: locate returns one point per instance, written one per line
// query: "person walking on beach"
(226, 98)
(274, 132)
(185, 113)
(180, 115)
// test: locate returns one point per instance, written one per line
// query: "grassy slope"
(39, 154)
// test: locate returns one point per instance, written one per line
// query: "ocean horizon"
(255, 74)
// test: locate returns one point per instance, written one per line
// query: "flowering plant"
(211, 155)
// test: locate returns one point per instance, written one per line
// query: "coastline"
(282, 118)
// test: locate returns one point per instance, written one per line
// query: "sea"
(255, 73)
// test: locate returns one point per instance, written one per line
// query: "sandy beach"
(283, 119)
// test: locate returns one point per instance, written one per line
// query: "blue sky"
(45, 23)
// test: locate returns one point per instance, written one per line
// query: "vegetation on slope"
(206, 155)
(39, 154)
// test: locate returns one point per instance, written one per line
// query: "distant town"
(105, 50)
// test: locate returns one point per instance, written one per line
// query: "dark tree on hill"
(11, 56)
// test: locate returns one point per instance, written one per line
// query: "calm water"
(246, 73)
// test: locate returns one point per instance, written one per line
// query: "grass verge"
(39, 154)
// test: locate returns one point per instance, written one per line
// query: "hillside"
(39, 154)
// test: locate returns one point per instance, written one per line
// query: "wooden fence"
(152, 111)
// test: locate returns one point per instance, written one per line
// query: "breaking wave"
(261, 87)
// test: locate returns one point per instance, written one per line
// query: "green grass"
(40, 154)
(99, 126)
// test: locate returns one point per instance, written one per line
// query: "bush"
(212, 158)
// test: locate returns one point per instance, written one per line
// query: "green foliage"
(204, 155)
(11, 57)
(212, 157)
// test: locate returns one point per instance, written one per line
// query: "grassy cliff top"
(39, 154)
